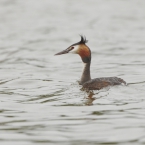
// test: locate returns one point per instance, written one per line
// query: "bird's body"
(100, 83)
(85, 53)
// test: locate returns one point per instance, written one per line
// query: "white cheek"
(75, 50)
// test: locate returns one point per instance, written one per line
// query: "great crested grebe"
(85, 53)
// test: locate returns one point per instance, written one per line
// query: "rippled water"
(40, 99)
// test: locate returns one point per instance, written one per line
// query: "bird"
(84, 52)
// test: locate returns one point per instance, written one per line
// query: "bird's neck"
(86, 73)
(85, 54)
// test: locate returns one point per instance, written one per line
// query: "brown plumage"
(100, 83)
(85, 53)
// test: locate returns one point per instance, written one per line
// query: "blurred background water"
(40, 99)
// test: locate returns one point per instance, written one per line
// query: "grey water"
(40, 99)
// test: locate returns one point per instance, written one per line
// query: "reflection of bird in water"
(90, 99)
(85, 53)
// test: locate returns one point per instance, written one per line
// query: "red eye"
(70, 48)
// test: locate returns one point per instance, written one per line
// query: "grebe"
(85, 53)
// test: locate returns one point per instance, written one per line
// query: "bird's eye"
(70, 48)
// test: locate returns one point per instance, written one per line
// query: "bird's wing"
(99, 83)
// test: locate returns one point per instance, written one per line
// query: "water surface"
(40, 99)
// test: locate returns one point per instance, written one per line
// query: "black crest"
(83, 40)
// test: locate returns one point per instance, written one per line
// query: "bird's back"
(99, 83)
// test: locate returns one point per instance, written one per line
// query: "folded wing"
(99, 83)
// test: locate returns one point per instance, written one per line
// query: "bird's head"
(79, 48)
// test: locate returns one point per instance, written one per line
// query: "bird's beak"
(62, 52)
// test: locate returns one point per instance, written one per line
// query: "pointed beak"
(62, 52)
